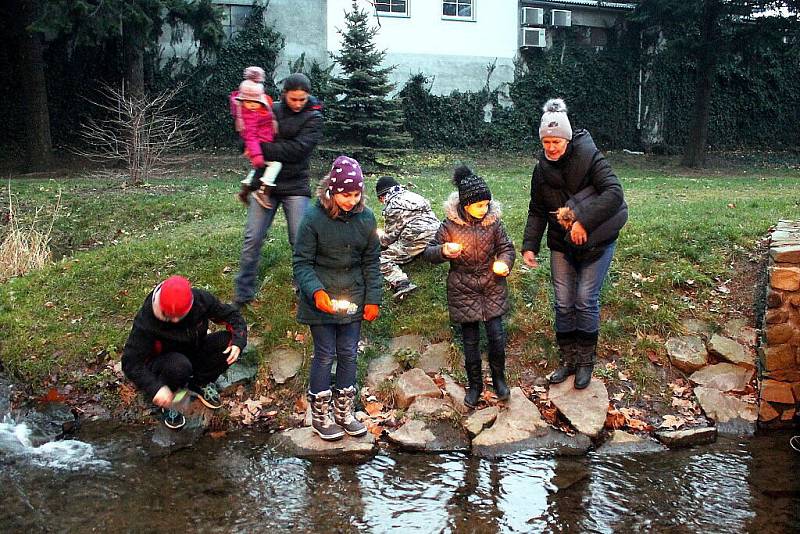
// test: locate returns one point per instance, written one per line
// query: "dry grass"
(25, 246)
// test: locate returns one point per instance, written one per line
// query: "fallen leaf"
(671, 421)
(653, 357)
(300, 337)
(271, 413)
(619, 396)
(253, 406)
(614, 419)
(127, 394)
(637, 424)
(301, 404)
(622, 376)
(374, 408)
(550, 414)
(218, 434)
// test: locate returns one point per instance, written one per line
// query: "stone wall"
(780, 349)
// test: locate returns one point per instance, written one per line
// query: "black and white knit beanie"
(471, 187)
(555, 122)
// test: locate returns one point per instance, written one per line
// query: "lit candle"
(381, 233)
(344, 306)
(452, 248)
(500, 268)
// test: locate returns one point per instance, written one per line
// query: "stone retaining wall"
(779, 388)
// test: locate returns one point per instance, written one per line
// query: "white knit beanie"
(554, 121)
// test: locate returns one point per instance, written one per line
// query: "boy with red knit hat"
(169, 347)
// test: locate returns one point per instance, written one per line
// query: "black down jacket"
(474, 292)
(553, 183)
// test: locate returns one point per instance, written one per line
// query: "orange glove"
(323, 301)
(371, 312)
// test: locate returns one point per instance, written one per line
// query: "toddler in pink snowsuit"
(252, 111)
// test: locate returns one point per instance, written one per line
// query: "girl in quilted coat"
(481, 256)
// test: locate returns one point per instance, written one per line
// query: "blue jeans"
(576, 290)
(334, 342)
(259, 221)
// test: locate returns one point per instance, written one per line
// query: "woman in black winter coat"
(579, 200)
(481, 256)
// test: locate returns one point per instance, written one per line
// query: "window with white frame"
(233, 17)
(391, 7)
(458, 9)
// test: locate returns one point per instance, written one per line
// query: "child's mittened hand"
(257, 161)
(323, 302)
(371, 312)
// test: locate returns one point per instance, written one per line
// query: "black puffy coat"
(552, 184)
(151, 337)
(474, 292)
(298, 134)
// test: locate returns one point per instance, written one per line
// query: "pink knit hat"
(252, 91)
(345, 176)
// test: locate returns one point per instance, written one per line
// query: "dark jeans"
(259, 221)
(576, 290)
(334, 342)
(177, 370)
(471, 335)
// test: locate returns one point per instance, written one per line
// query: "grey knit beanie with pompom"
(554, 121)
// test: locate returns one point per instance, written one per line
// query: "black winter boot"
(475, 380)
(321, 420)
(586, 358)
(343, 402)
(497, 364)
(566, 357)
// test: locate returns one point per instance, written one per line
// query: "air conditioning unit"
(561, 17)
(533, 38)
(532, 16)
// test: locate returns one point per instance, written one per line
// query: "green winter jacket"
(341, 256)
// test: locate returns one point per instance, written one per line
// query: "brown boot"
(262, 196)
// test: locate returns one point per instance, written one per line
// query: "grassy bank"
(688, 236)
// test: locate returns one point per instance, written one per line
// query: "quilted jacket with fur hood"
(474, 292)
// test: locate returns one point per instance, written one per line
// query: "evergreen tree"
(364, 120)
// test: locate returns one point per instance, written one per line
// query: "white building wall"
(454, 53)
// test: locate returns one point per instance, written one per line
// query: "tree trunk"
(695, 152)
(32, 88)
(134, 61)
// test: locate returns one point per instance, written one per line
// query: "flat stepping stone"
(165, 441)
(723, 377)
(381, 369)
(456, 393)
(696, 327)
(412, 384)
(627, 443)
(408, 342)
(430, 407)
(284, 364)
(687, 438)
(239, 373)
(731, 415)
(585, 409)
(435, 358)
(687, 353)
(731, 351)
(425, 435)
(305, 443)
(480, 419)
(520, 427)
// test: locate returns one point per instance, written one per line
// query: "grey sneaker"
(343, 402)
(173, 419)
(208, 395)
(321, 420)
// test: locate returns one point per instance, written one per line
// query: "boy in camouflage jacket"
(409, 225)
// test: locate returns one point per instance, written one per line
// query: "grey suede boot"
(567, 347)
(343, 401)
(321, 420)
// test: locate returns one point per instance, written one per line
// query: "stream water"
(106, 482)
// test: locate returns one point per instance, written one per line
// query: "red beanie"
(175, 296)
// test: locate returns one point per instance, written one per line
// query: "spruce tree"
(363, 121)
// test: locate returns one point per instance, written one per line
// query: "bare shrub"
(25, 247)
(145, 132)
